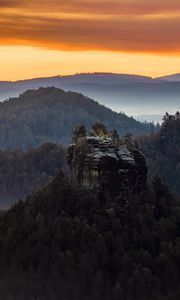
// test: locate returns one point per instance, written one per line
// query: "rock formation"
(113, 166)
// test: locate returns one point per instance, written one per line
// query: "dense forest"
(50, 115)
(21, 173)
(64, 243)
(162, 152)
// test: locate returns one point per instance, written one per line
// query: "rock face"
(115, 168)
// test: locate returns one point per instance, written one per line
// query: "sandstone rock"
(116, 169)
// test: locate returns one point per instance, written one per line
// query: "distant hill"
(132, 94)
(173, 77)
(51, 115)
(76, 82)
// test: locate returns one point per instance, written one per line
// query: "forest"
(50, 115)
(60, 240)
(63, 243)
(22, 173)
(162, 152)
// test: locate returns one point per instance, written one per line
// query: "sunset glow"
(58, 37)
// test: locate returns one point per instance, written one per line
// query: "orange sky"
(63, 37)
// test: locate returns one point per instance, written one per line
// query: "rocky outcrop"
(114, 167)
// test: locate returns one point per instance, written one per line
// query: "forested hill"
(64, 243)
(162, 152)
(50, 115)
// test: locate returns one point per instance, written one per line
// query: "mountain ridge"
(81, 75)
(171, 77)
(133, 94)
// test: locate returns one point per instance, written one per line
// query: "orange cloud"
(116, 25)
(117, 7)
(98, 6)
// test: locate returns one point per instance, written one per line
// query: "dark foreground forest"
(64, 243)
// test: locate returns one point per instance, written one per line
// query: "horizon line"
(91, 73)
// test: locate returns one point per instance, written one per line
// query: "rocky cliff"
(116, 167)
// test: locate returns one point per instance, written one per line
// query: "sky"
(45, 38)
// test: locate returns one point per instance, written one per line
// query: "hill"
(22, 173)
(163, 154)
(50, 115)
(173, 77)
(13, 88)
(131, 94)
(65, 243)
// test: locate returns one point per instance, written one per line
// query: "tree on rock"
(79, 132)
(99, 129)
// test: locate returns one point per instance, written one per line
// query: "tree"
(115, 138)
(79, 132)
(99, 129)
(117, 292)
(177, 115)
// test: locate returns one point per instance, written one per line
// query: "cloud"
(117, 6)
(10, 3)
(99, 6)
(134, 26)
